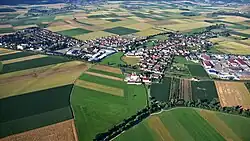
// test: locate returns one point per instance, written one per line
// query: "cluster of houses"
(44, 41)
(226, 66)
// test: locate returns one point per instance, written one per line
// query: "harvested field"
(119, 23)
(41, 78)
(163, 22)
(106, 73)
(219, 125)
(104, 76)
(233, 47)
(233, 94)
(162, 132)
(107, 68)
(185, 90)
(184, 27)
(63, 131)
(121, 30)
(100, 88)
(7, 51)
(233, 18)
(23, 59)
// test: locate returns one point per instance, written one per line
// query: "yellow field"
(100, 88)
(6, 51)
(234, 48)
(233, 19)
(185, 27)
(23, 59)
(104, 76)
(246, 31)
(148, 32)
(38, 79)
(25, 26)
(233, 94)
(219, 125)
(93, 35)
(139, 26)
(61, 27)
(64, 17)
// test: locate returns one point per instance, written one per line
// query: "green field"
(197, 71)
(187, 124)
(121, 30)
(6, 30)
(34, 63)
(161, 92)
(113, 20)
(106, 73)
(113, 60)
(74, 32)
(35, 109)
(15, 55)
(204, 90)
(96, 112)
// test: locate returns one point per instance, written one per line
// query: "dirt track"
(63, 131)
(233, 94)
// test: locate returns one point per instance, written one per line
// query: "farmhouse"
(133, 79)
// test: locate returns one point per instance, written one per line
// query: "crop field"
(14, 55)
(23, 59)
(121, 30)
(28, 64)
(104, 76)
(185, 27)
(131, 60)
(197, 70)
(185, 89)
(204, 90)
(93, 35)
(233, 48)
(113, 60)
(6, 30)
(40, 78)
(62, 131)
(174, 89)
(107, 69)
(109, 109)
(161, 92)
(100, 88)
(29, 110)
(233, 94)
(74, 32)
(103, 72)
(191, 124)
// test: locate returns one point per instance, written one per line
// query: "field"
(197, 70)
(191, 124)
(121, 30)
(185, 89)
(131, 60)
(233, 94)
(96, 110)
(107, 73)
(107, 69)
(161, 92)
(74, 32)
(62, 131)
(28, 111)
(233, 48)
(113, 60)
(40, 78)
(23, 59)
(14, 55)
(203, 90)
